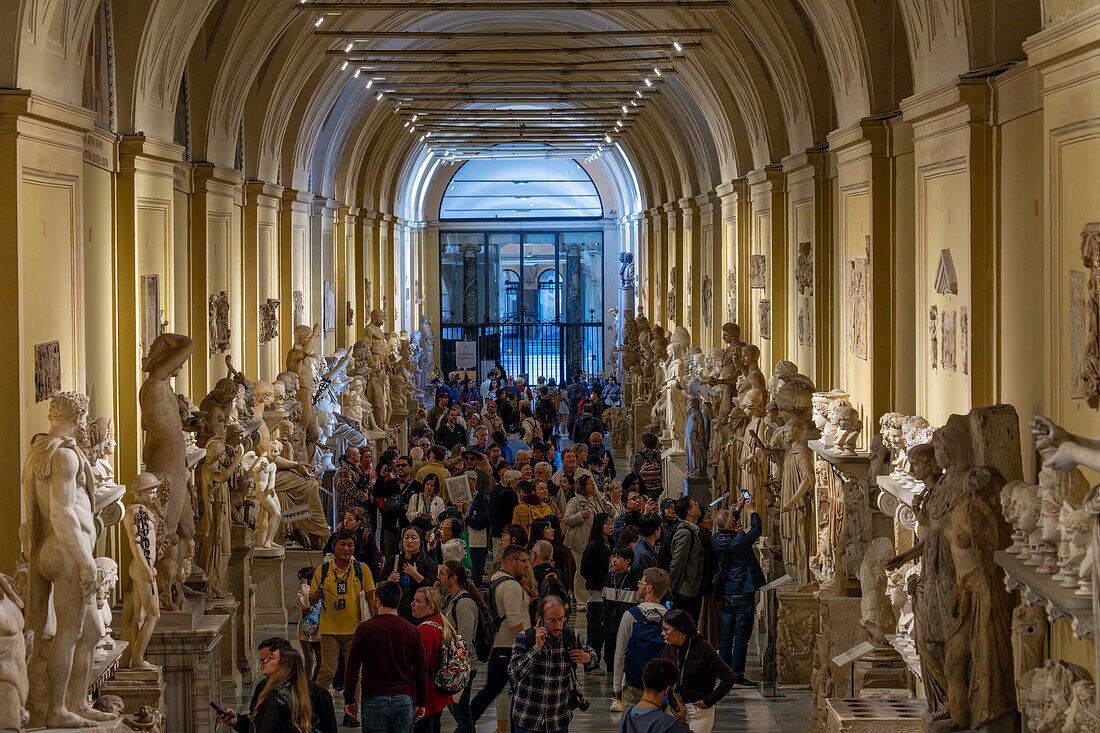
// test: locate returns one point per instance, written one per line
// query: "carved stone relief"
(858, 271)
(705, 297)
(350, 315)
(804, 282)
(758, 272)
(964, 339)
(1090, 362)
(299, 308)
(764, 318)
(1077, 331)
(269, 320)
(219, 322)
(152, 317)
(947, 332)
(329, 315)
(933, 342)
(690, 314)
(47, 370)
(731, 295)
(947, 281)
(366, 292)
(670, 304)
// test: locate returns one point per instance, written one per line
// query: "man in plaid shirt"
(351, 484)
(541, 670)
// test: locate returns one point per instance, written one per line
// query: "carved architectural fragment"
(670, 300)
(804, 282)
(933, 340)
(731, 295)
(947, 281)
(151, 314)
(1077, 334)
(269, 320)
(858, 273)
(299, 308)
(764, 318)
(329, 315)
(964, 339)
(1090, 363)
(47, 370)
(947, 334)
(705, 296)
(758, 272)
(218, 311)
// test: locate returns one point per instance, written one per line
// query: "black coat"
(427, 568)
(594, 564)
(274, 715)
(738, 569)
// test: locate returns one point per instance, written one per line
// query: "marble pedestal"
(673, 472)
(190, 661)
(231, 682)
(117, 726)
(698, 488)
(267, 577)
(243, 588)
(875, 716)
(796, 636)
(839, 631)
(137, 689)
(642, 415)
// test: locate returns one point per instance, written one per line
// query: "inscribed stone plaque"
(47, 370)
(758, 271)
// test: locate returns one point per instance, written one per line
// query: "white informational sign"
(294, 513)
(458, 489)
(775, 583)
(853, 654)
(466, 354)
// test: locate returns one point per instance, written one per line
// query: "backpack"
(546, 411)
(454, 664)
(650, 471)
(310, 620)
(490, 596)
(484, 631)
(552, 585)
(645, 643)
(356, 566)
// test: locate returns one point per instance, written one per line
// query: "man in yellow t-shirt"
(336, 584)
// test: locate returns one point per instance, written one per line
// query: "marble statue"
(752, 377)
(728, 373)
(296, 485)
(901, 602)
(13, 657)
(876, 610)
(626, 269)
(1029, 640)
(58, 539)
(378, 383)
(753, 450)
(217, 471)
(1028, 510)
(796, 509)
(300, 360)
(428, 369)
(1046, 696)
(1082, 716)
(1079, 557)
(141, 605)
(269, 517)
(697, 439)
(105, 581)
(216, 408)
(846, 427)
(164, 451)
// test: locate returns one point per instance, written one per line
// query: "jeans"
(477, 564)
(595, 626)
(386, 714)
(460, 708)
(496, 677)
(738, 615)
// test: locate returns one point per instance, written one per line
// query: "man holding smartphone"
(740, 577)
(659, 710)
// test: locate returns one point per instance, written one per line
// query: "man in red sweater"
(394, 689)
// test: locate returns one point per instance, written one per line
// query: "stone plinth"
(840, 631)
(875, 716)
(117, 726)
(673, 472)
(698, 488)
(243, 588)
(190, 661)
(137, 689)
(267, 577)
(227, 651)
(796, 634)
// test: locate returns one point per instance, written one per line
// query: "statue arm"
(64, 518)
(804, 486)
(178, 353)
(912, 553)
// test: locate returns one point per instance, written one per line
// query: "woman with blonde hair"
(282, 703)
(436, 632)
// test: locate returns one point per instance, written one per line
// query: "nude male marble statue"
(141, 605)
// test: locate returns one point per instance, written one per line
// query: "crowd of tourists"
(457, 575)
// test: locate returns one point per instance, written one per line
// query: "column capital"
(953, 104)
(261, 192)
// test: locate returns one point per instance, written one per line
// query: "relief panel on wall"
(947, 333)
(670, 300)
(705, 296)
(690, 315)
(299, 308)
(947, 280)
(764, 318)
(1077, 334)
(366, 291)
(758, 272)
(269, 320)
(1090, 361)
(47, 370)
(858, 317)
(218, 313)
(731, 295)
(152, 316)
(804, 284)
(350, 314)
(329, 315)
(933, 339)
(964, 340)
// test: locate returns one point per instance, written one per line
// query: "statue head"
(225, 391)
(731, 332)
(159, 350)
(215, 449)
(265, 393)
(70, 409)
(302, 333)
(145, 487)
(377, 317)
(101, 438)
(106, 576)
(922, 462)
(750, 355)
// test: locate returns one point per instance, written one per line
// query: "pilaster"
(711, 278)
(294, 223)
(768, 311)
(691, 246)
(734, 202)
(675, 264)
(261, 275)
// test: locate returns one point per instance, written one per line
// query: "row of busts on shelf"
(900, 434)
(1050, 531)
(837, 420)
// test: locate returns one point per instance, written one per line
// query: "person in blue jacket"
(738, 579)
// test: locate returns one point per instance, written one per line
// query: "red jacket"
(432, 637)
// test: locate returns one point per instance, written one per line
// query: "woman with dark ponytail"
(463, 607)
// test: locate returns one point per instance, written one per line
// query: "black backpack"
(552, 585)
(489, 596)
(483, 636)
(546, 411)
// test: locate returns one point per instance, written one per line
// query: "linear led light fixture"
(536, 5)
(344, 66)
(363, 36)
(347, 48)
(529, 50)
(320, 19)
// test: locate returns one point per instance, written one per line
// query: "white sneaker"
(616, 706)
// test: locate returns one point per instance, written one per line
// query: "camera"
(577, 701)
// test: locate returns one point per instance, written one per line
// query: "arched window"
(549, 299)
(510, 304)
(521, 188)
